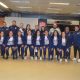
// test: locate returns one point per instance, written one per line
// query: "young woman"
(10, 41)
(2, 46)
(29, 44)
(20, 44)
(42, 30)
(38, 45)
(65, 45)
(46, 42)
(55, 41)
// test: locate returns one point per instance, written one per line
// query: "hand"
(67, 50)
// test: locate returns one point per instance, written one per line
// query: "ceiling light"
(54, 9)
(18, 1)
(59, 3)
(2, 4)
(76, 13)
(24, 7)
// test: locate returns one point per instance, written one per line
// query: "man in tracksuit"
(5, 29)
(14, 28)
(76, 43)
(69, 37)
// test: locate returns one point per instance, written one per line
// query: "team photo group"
(39, 43)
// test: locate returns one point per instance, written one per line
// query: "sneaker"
(60, 60)
(56, 56)
(66, 60)
(78, 60)
(74, 59)
(40, 58)
(50, 56)
(31, 58)
(25, 57)
(36, 58)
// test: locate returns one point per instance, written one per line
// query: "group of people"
(39, 41)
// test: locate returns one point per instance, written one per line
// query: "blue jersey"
(76, 38)
(14, 29)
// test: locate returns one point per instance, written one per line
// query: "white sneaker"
(60, 60)
(40, 58)
(66, 60)
(31, 58)
(56, 56)
(50, 56)
(79, 60)
(36, 58)
(25, 57)
(74, 59)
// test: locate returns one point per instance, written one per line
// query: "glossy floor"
(38, 70)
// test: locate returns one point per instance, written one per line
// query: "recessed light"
(3, 5)
(59, 3)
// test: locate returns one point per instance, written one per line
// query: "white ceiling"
(43, 6)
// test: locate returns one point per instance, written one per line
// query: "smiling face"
(19, 33)
(29, 32)
(55, 33)
(63, 34)
(67, 29)
(13, 22)
(2, 34)
(28, 26)
(54, 25)
(38, 33)
(76, 28)
(10, 34)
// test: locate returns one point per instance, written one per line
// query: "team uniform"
(69, 37)
(2, 46)
(29, 44)
(65, 46)
(11, 42)
(55, 41)
(20, 45)
(38, 42)
(46, 45)
(6, 30)
(14, 29)
(76, 44)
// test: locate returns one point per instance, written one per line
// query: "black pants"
(76, 48)
(30, 49)
(22, 51)
(14, 52)
(2, 48)
(36, 53)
